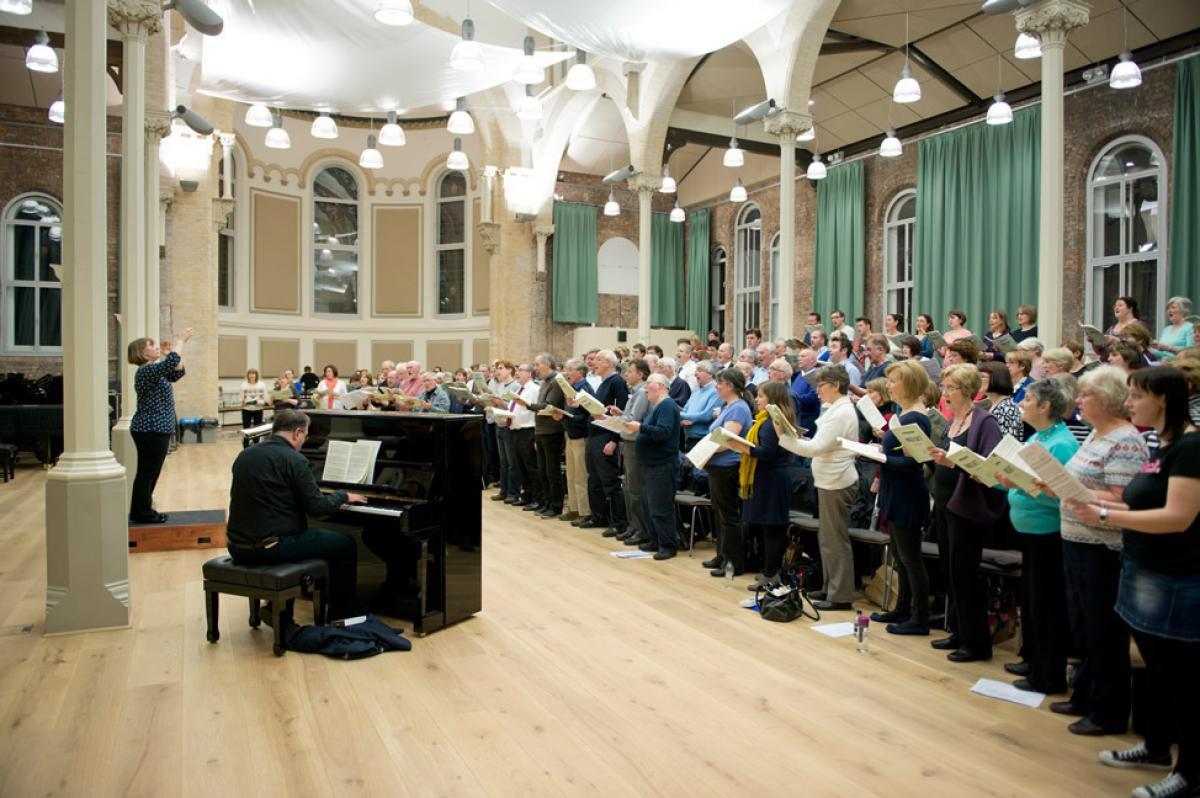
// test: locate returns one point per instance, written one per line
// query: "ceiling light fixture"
(458, 159)
(461, 123)
(529, 108)
(277, 137)
(40, 57)
(371, 158)
(734, 156)
(323, 127)
(259, 115)
(677, 214)
(1027, 47)
(1125, 73)
(738, 192)
(467, 55)
(611, 208)
(18, 7)
(999, 112)
(581, 77)
(907, 89)
(668, 183)
(394, 12)
(528, 69)
(58, 110)
(391, 134)
(816, 169)
(891, 146)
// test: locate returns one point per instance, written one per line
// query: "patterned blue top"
(155, 397)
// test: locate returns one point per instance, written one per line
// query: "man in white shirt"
(686, 370)
(838, 319)
(724, 356)
(593, 379)
(836, 478)
(522, 430)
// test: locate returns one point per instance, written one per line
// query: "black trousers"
(251, 418)
(604, 483)
(549, 463)
(151, 451)
(961, 548)
(723, 491)
(658, 502)
(914, 580)
(491, 455)
(527, 466)
(1173, 699)
(338, 551)
(1044, 629)
(774, 538)
(1101, 688)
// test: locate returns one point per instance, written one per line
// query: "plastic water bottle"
(861, 623)
(728, 575)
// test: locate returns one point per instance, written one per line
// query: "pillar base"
(126, 453)
(87, 544)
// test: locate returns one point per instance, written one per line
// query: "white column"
(645, 186)
(786, 126)
(136, 20)
(227, 141)
(542, 232)
(487, 195)
(1050, 21)
(158, 125)
(87, 540)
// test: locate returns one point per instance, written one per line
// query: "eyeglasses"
(948, 387)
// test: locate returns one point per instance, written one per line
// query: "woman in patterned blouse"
(997, 388)
(153, 422)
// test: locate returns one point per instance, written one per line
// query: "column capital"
(1051, 20)
(158, 126)
(166, 196)
(543, 231)
(788, 124)
(221, 208)
(136, 20)
(645, 184)
(489, 234)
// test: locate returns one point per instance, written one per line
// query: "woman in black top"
(153, 423)
(1159, 596)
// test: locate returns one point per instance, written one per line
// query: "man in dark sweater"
(657, 451)
(272, 494)
(604, 474)
(575, 422)
(548, 435)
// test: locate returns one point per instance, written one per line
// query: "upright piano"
(420, 534)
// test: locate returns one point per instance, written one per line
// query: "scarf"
(749, 464)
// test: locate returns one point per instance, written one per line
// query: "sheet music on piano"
(350, 463)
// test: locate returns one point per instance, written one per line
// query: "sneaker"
(1173, 786)
(1136, 757)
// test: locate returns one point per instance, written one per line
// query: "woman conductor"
(153, 423)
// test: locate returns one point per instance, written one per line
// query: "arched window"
(1127, 230)
(452, 244)
(773, 331)
(335, 241)
(747, 271)
(226, 241)
(32, 253)
(716, 291)
(898, 252)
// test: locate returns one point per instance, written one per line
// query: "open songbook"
(866, 450)
(590, 403)
(350, 463)
(936, 340)
(281, 395)
(480, 383)
(567, 390)
(870, 412)
(611, 423)
(547, 411)
(1094, 335)
(1050, 471)
(916, 442)
(789, 437)
(458, 390)
(353, 400)
(710, 444)
(1005, 343)
(1006, 459)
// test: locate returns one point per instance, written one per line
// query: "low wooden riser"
(198, 529)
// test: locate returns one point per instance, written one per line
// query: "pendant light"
(58, 110)
(528, 69)
(738, 192)
(907, 89)
(394, 12)
(458, 159)
(816, 169)
(611, 208)
(1125, 73)
(19, 7)
(258, 115)
(734, 156)
(668, 183)
(999, 112)
(1027, 47)
(40, 57)
(677, 214)
(891, 146)
(391, 134)
(461, 123)
(467, 55)
(581, 77)
(529, 108)
(371, 158)
(323, 127)
(277, 137)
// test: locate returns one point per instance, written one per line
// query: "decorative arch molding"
(436, 166)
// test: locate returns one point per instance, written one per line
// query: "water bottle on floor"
(860, 632)
(728, 575)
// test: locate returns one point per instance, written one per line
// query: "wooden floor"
(584, 675)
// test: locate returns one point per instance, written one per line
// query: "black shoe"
(1066, 708)
(636, 540)
(719, 572)
(533, 507)
(628, 533)
(153, 518)
(945, 643)
(826, 605)
(513, 500)
(648, 546)
(499, 497)
(1175, 785)
(1137, 757)
(548, 512)
(895, 616)
(611, 532)
(664, 554)
(715, 562)
(1017, 668)
(966, 655)
(1090, 728)
(590, 523)
(578, 522)
(907, 628)
(818, 595)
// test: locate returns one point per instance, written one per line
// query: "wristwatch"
(1104, 515)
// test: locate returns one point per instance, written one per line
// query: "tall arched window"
(716, 291)
(452, 244)
(226, 240)
(32, 252)
(747, 271)
(335, 241)
(773, 288)
(1127, 230)
(898, 255)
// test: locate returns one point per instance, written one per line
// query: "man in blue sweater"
(697, 414)
(657, 445)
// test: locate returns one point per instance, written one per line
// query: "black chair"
(277, 584)
(8, 461)
(701, 507)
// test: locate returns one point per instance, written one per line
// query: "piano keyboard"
(367, 509)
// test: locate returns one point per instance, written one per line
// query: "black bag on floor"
(361, 640)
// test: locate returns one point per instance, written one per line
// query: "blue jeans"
(658, 503)
(1102, 681)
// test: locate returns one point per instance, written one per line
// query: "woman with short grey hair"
(1176, 335)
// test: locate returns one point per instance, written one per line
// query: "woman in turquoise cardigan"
(1044, 625)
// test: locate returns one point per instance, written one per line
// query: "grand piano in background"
(31, 414)
(420, 535)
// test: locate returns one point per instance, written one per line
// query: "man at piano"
(272, 494)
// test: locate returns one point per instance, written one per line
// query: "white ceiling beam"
(719, 126)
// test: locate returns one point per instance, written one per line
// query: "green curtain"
(576, 290)
(840, 267)
(975, 239)
(1183, 271)
(697, 274)
(666, 271)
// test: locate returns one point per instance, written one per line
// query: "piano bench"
(8, 461)
(279, 584)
